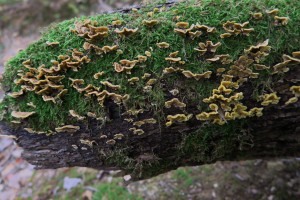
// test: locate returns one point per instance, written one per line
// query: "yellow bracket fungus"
(257, 16)
(175, 102)
(163, 45)
(137, 131)
(151, 81)
(281, 20)
(291, 100)
(272, 12)
(178, 118)
(206, 28)
(295, 90)
(270, 99)
(133, 80)
(224, 59)
(150, 23)
(116, 23)
(89, 31)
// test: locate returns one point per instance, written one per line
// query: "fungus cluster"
(271, 98)
(233, 28)
(175, 102)
(125, 65)
(183, 30)
(100, 50)
(125, 32)
(89, 30)
(178, 118)
(208, 47)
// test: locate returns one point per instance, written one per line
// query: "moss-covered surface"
(282, 39)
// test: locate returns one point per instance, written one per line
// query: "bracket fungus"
(172, 57)
(175, 102)
(272, 12)
(295, 90)
(178, 118)
(163, 45)
(150, 23)
(110, 85)
(125, 32)
(223, 59)
(205, 28)
(125, 65)
(233, 28)
(98, 75)
(257, 16)
(190, 74)
(137, 131)
(281, 20)
(184, 31)
(291, 100)
(89, 31)
(207, 47)
(21, 115)
(76, 115)
(67, 129)
(271, 98)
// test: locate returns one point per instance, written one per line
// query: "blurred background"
(21, 22)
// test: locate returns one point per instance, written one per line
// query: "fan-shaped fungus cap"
(163, 45)
(224, 59)
(110, 85)
(225, 35)
(116, 23)
(272, 12)
(133, 80)
(260, 67)
(76, 115)
(292, 59)
(67, 128)
(190, 74)
(107, 49)
(208, 47)
(281, 20)
(281, 67)
(206, 28)
(142, 59)
(98, 74)
(178, 118)
(257, 16)
(175, 102)
(169, 70)
(182, 24)
(137, 131)
(126, 31)
(16, 94)
(295, 90)
(173, 60)
(271, 98)
(150, 23)
(146, 75)
(21, 115)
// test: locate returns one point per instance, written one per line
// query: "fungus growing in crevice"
(125, 32)
(67, 129)
(257, 16)
(224, 59)
(21, 115)
(178, 118)
(190, 74)
(295, 90)
(163, 45)
(271, 98)
(175, 102)
(291, 100)
(281, 21)
(150, 23)
(110, 85)
(133, 80)
(76, 115)
(98, 74)
(174, 92)
(209, 47)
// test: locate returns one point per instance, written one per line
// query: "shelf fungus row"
(47, 81)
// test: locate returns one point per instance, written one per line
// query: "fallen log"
(159, 87)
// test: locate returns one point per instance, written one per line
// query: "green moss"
(208, 12)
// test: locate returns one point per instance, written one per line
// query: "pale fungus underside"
(162, 67)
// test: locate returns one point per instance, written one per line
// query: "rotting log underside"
(275, 134)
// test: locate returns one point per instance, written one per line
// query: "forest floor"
(257, 179)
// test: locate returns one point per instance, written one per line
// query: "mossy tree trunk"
(275, 134)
